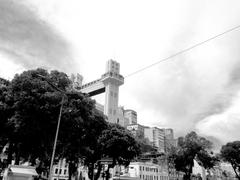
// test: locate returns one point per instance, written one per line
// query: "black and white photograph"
(119, 90)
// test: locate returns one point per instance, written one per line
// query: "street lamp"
(58, 123)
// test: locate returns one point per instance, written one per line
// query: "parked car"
(15, 172)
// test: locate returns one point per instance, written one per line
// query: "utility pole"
(56, 137)
(58, 123)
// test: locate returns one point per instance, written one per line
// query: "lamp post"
(58, 123)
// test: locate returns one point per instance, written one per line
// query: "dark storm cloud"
(195, 86)
(29, 41)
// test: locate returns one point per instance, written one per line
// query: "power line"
(182, 51)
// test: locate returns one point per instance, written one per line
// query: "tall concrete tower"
(112, 80)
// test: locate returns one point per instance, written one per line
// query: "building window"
(60, 171)
(65, 172)
(56, 170)
(140, 168)
(117, 120)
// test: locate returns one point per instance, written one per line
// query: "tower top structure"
(108, 83)
(112, 66)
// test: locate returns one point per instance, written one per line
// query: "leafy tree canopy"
(118, 143)
(145, 145)
(29, 109)
(231, 153)
(192, 147)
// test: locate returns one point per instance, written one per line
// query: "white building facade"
(136, 129)
(147, 171)
(156, 137)
(131, 115)
(108, 83)
(60, 170)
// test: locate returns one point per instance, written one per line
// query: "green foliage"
(192, 147)
(231, 153)
(118, 143)
(81, 124)
(29, 110)
(32, 108)
(5, 111)
(145, 145)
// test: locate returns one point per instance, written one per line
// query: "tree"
(81, 126)
(36, 107)
(29, 109)
(231, 153)
(119, 144)
(192, 147)
(145, 145)
(6, 110)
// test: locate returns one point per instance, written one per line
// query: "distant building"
(227, 169)
(169, 140)
(108, 83)
(131, 115)
(76, 80)
(136, 129)
(198, 170)
(147, 171)
(168, 133)
(156, 137)
(60, 170)
(99, 107)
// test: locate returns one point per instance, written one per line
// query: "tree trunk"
(71, 169)
(110, 166)
(107, 173)
(235, 170)
(10, 153)
(99, 168)
(90, 171)
(187, 176)
(17, 155)
(17, 158)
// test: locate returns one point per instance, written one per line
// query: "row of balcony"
(114, 75)
(89, 84)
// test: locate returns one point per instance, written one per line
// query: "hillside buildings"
(160, 138)
(156, 137)
(136, 129)
(131, 116)
(147, 171)
(108, 83)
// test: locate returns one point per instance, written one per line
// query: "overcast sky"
(198, 90)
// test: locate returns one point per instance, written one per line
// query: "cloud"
(190, 92)
(194, 87)
(225, 125)
(31, 42)
(198, 84)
